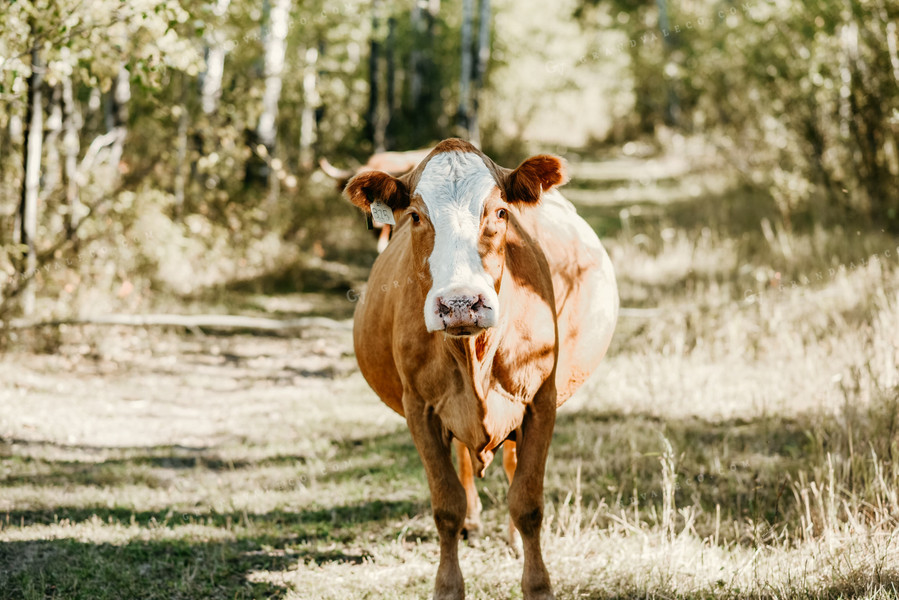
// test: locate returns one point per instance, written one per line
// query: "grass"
(740, 441)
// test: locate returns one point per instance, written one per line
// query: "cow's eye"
(501, 213)
(415, 217)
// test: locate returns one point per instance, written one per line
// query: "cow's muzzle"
(464, 314)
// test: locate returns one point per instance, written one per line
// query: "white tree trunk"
(17, 138)
(374, 79)
(849, 41)
(893, 48)
(121, 97)
(483, 56)
(16, 128)
(417, 23)
(211, 89)
(34, 136)
(53, 169)
(465, 75)
(390, 91)
(310, 103)
(181, 157)
(275, 45)
(71, 143)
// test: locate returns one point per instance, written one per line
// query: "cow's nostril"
(442, 308)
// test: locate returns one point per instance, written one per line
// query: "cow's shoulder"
(381, 317)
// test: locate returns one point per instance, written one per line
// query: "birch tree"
(374, 76)
(275, 49)
(53, 125)
(310, 103)
(211, 79)
(119, 100)
(181, 144)
(481, 59)
(416, 20)
(34, 134)
(71, 142)
(390, 92)
(70, 47)
(465, 73)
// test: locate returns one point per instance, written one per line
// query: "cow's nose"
(463, 314)
(454, 304)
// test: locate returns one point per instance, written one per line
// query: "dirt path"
(119, 386)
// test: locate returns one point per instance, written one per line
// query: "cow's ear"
(371, 186)
(534, 176)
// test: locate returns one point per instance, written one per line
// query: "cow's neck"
(474, 356)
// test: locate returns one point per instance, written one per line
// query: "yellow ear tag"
(381, 212)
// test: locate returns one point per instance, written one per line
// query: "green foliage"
(802, 97)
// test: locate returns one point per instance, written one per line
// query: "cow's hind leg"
(447, 499)
(526, 490)
(510, 462)
(472, 525)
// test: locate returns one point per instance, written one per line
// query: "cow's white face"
(455, 187)
(458, 204)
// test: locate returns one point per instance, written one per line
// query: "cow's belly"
(585, 290)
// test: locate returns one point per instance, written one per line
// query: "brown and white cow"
(394, 163)
(490, 307)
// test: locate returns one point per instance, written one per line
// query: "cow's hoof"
(536, 586)
(544, 595)
(539, 593)
(450, 593)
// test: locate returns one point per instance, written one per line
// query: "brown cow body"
(495, 375)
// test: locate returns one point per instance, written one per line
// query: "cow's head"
(458, 202)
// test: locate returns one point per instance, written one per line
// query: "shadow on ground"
(190, 552)
(189, 566)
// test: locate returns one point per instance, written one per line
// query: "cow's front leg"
(526, 490)
(447, 498)
(472, 525)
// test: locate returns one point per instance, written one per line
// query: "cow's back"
(584, 286)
